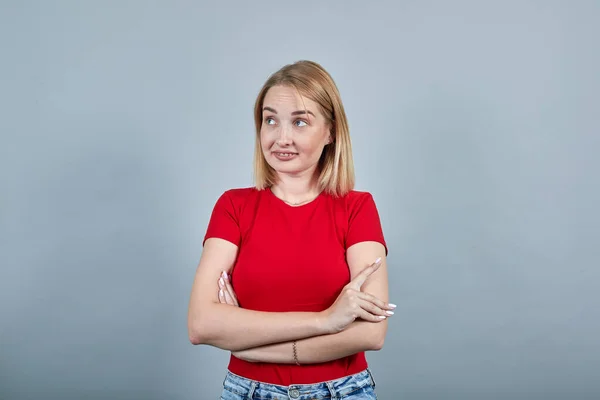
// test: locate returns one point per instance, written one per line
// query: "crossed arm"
(245, 332)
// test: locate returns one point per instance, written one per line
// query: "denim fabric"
(360, 386)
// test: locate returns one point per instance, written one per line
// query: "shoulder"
(240, 194)
(358, 195)
(356, 199)
(239, 198)
(360, 204)
(363, 222)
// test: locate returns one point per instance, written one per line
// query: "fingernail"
(221, 282)
(220, 292)
(392, 305)
(382, 316)
(389, 312)
(378, 260)
(224, 274)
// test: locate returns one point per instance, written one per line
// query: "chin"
(288, 169)
(284, 167)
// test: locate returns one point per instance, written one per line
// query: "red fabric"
(293, 259)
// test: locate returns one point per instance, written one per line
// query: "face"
(293, 132)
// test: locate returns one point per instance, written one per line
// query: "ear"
(331, 138)
(330, 135)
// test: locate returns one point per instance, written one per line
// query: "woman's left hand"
(226, 293)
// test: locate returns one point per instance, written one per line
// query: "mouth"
(284, 156)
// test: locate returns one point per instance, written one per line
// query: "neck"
(296, 189)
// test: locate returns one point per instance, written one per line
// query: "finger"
(360, 279)
(228, 298)
(373, 309)
(379, 303)
(222, 291)
(226, 287)
(367, 316)
(229, 288)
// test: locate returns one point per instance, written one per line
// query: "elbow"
(195, 336)
(197, 332)
(378, 343)
(203, 329)
(378, 338)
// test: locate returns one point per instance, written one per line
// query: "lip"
(284, 155)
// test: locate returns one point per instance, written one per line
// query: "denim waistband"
(335, 389)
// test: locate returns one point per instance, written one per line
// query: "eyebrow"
(293, 113)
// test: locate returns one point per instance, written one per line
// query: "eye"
(269, 121)
(300, 123)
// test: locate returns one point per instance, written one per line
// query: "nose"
(285, 136)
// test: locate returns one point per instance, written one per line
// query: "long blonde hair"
(336, 167)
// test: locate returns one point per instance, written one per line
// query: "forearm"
(235, 328)
(357, 337)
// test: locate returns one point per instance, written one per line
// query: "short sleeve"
(363, 222)
(224, 221)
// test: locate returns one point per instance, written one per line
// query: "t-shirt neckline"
(299, 207)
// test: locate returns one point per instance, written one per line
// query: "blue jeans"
(359, 386)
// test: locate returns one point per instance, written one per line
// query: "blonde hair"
(336, 167)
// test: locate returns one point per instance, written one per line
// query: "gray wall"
(474, 124)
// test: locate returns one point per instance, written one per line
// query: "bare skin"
(293, 136)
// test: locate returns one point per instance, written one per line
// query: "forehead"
(288, 99)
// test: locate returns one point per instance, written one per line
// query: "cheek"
(316, 141)
(266, 140)
(311, 148)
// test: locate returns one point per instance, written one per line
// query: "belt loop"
(331, 390)
(371, 376)
(251, 390)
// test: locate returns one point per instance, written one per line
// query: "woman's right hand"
(352, 303)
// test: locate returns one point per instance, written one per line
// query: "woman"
(292, 278)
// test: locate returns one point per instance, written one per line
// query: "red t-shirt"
(293, 259)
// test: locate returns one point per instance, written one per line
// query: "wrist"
(322, 323)
(295, 352)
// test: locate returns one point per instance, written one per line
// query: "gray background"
(474, 125)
